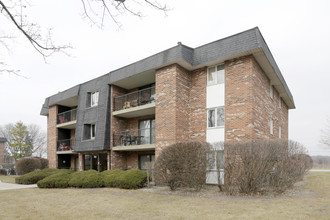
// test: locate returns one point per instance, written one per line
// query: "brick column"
(172, 106)
(52, 136)
(81, 162)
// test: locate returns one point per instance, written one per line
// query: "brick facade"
(52, 135)
(181, 114)
(248, 105)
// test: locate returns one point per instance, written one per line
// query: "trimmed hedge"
(111, 177)
(58, 180)
(132, 179)
(27, 165)
(86, 179)
(35, 176)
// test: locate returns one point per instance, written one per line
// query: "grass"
(8, 179)
(312, 201)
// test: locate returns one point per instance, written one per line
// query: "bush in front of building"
(132, 179)
(263, 166)
(86, 179)
(35, 176)
(26, 165)
(111, 177)
(58, 180)
(183, 164)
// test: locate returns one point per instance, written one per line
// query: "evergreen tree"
(19, 141)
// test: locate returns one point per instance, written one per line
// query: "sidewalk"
(9, 186)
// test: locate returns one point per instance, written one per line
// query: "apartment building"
(227, 90)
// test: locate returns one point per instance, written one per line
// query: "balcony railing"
(134, 99)
(66, 116)
(134, 137)
(65, 145)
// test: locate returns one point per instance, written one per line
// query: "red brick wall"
(265, 108)
(238, 99)
(197, 105)
(172, 106)
(248, 106)
(52, 136)
(118, 159)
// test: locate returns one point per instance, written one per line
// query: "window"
(89, 131)
(271, 126)
(215, 117)
(216, 75)
(271, 91)
(215, 160)
(94, 98)
(280, 102)
(279, 132)
(147, 131)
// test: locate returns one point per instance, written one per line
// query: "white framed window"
(215, 117)
(216, 75)
(271, 126)
(94, 98)
(271, 92)
(93, 131)
(280, 102)
(89, 131)
(280, 132)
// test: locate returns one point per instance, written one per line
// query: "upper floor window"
(89, 131)
(215, 117)
(280, 132)
(280, 102)
(92, 99)
(216, 74)
(271, 92)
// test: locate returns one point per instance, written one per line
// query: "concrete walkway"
(9, 186)
(319, 170)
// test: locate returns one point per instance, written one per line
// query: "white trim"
(215, 117)
(94, 102)
(91, 130)
(280, 102)
(215, 80)
(280, 132)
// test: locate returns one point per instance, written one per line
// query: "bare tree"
(96, 11)
(325, 134)
(38, 140)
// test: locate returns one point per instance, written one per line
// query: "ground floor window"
(145, 161)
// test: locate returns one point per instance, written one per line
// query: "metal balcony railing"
(133, 99)
(65, 145)
(66, 116)
(134, 137)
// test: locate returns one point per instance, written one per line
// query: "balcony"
(67, 119)
(134, 140)
(135, 104)
(65, 146)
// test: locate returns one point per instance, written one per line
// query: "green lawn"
(311, 200)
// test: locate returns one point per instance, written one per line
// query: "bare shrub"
(26, 165)
(263, 165)
(182, 164)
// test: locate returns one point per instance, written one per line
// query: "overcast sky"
(297, 33)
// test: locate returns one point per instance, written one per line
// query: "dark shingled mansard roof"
(241, 44)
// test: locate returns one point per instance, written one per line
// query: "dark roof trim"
(244, 43)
